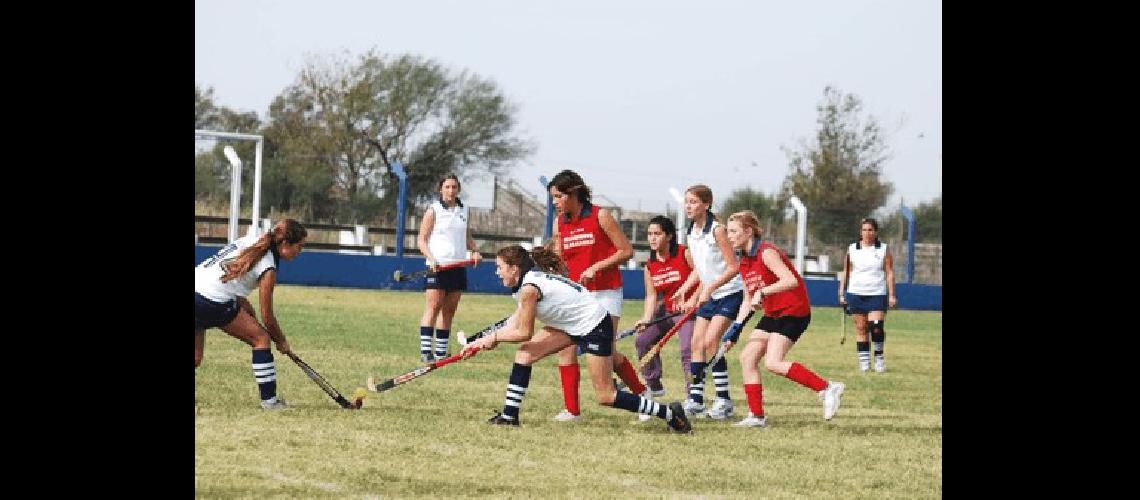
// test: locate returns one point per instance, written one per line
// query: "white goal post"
(235, 181)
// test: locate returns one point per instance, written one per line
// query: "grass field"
(428, 438)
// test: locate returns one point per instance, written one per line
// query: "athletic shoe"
(864, 366)
(274, 404)
(752, 421)
(880, 365)
(461, 338)
(720, 409)
(656, 393)
(679, 422)
(693, 409)
(427, 358)
(830, 397)
(566, 416)
(500, 419)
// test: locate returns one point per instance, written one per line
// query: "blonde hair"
(287, 230)
(747, 218)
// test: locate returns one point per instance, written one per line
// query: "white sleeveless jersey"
(708, 260)
(564, 304)
(448, 239)
(867, 274)
(208, 274)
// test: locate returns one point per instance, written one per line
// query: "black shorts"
(600, 340)
(210, 314)
(789, 326)
(448, 280)
(863, 304)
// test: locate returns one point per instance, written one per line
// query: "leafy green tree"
(838, 174)
(205, 111)
(927, 222)
(764, 206)
(341, 124)
(211, 169)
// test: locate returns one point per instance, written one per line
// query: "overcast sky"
(636, 96)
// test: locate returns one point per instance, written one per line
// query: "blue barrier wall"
(371, 271)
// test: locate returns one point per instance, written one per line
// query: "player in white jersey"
(722, 292)
(221, 284)
(869, 277)
(571, 315)
(444, 238)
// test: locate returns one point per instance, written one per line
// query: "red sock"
(570, 376)
(755, 394)
(629, 376)
(806, 378)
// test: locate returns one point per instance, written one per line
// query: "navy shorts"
(789, 326)
(210, 314)
(448, 280)
(600, 340)
(726, 306)
(863, 304)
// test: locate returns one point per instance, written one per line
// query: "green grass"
(428, 438)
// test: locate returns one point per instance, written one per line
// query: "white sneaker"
(693, 409)
(566, 416)
(830, 397)
(657, 394)
(641, 417)
(720, 409)
(752, 421)
(880, 365)
(864, 366)
(461, 338)
(274, 404)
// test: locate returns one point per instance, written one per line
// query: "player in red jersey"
(772, 283)
(668, 267)
(589, 241)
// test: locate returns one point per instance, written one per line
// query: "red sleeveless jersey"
(584, 243)
(668, 276)
(792, 302)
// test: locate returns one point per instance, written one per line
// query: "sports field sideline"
(428, 437)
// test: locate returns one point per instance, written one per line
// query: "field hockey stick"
(418, 372)
(661, 343)
(625, 333)
(463, 339)
(399, 275)
(720, 352)
(324, 384)
(843, 319)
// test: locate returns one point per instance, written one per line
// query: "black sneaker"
(427, 358)
(679, 422)
(500, 419)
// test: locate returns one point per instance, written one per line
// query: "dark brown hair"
(445, 178)
(546, 260)
(668, 228)
(287, 230)
(568, 181)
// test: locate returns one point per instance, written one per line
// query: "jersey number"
(228, 249)
(563, 279)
